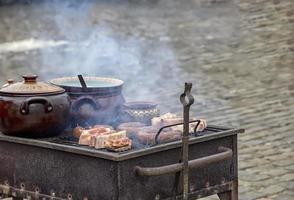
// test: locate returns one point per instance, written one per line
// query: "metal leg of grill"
(230, 195)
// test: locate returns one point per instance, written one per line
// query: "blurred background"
(239, 55)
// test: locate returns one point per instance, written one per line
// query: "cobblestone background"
(239, 55)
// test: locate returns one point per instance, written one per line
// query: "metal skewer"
(82, 81)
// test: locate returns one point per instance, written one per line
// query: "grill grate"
(67, 138)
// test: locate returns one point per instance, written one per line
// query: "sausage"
(131, 127)
(77, 131)
(148, 136)
(100, 131)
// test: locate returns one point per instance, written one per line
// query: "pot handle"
(25, 106)
(223, 154)
(85, 100)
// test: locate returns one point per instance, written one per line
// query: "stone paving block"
(286, 194)
(291, 167)
(264, 198)
(254, 170)
(251, 195)
(246, 165)
(244, 189)
(275, 172)
(255, 177)
(284, 197)
(287, 177)
(265, 183)
(243, 183)
(243, 173)
(269, 152)
(289, 192)
(244, 157)
(290, 185)
(284, 163)
(271, 189)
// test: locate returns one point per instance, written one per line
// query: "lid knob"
(10, 81)
(30, 78)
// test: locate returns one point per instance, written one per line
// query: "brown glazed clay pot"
(33, 109)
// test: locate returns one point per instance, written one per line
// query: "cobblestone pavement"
(239, 55)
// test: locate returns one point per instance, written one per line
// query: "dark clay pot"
(33, 109)
(99, 103)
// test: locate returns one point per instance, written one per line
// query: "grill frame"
(219, 131)
(102, 175)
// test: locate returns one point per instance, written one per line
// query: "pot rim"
(140, 105)
(62, 82)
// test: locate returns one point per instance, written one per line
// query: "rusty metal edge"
(207, 191)
(17, 192)
(123, 156)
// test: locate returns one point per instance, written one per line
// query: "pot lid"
(30, 86)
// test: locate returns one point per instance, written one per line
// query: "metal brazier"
(95, 174)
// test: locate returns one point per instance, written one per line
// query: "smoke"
(153, 47)
(28, 45)
(97, 46)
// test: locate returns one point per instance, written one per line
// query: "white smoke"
(153, 47)
(97, 49)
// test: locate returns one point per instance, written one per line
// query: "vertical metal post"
(187, 100)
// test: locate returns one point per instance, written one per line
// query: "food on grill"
(92, 141)
(103, 126)
(88, 136)
(166, 122)
(103, 136)
(100, 130)
(168, 136)
(131, 127)
(97, 139)
(166, 119)
(77, 131)
(201, 126)
(147, 136)
(118, 143)
(170, 119)
(157, 121)
(85, 138)
(100, 140)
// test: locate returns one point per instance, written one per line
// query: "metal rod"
(187, 100)
(177, 124)
(82, 81)
(224, 154)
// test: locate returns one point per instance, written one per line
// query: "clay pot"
(140, 111)
(98, 103)
(33, 109)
